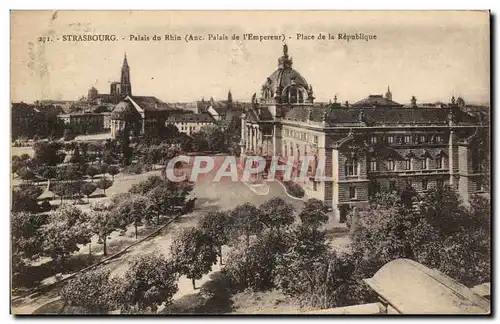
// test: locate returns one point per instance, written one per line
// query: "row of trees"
(270, 250)
(151, 280)
(61, 233)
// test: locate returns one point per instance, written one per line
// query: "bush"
(294, 189)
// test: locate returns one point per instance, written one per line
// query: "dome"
(124, 110)
(282, 78)
(286, 84)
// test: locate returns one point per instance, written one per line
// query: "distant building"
(190, 123)
(88, 122)
(141, 114)
(117, 90)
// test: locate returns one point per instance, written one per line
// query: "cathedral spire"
(388, 94)
(125, 63)
(126, 86)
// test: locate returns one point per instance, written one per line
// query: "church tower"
(126, 86)
(388, 94)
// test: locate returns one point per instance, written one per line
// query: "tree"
(47, 153)
(134, 209)
(217, 226)
(65, 229)
(102, 223)
(254, 266)
(26, 174)
(104, 184)
(69, 134)
(92, 172)
(276, 214)
(170, 196)
(314, 213)
(77, 157)
(388, 229)
(88, 188)
(199, 142)
(103, 169)
(47, 172)
(26, 240)
(149, 281)
(147, 185)
(24, 198)
(247, 221)
(113, 170)
(308, 270)
(90, 290)
(193, 253)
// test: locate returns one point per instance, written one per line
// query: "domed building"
(283, 90)
(343, 154)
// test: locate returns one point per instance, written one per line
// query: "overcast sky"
(430, 55)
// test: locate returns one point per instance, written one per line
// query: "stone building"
(140, 114)
(372, 145)
(190, 123)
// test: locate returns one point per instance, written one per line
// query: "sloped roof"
(149, 103)
(376, 101)
(412, 288)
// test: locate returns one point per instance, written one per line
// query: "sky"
(432, 55)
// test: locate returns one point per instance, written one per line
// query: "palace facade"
(373, 145)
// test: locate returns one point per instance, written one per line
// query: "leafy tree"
(170, 196)
(102, 223)
(77, 157)
(308, 270)
(113, 170)
(47, 172)
(193, 253)
(217, 226)
(47, 153)
(276, 213)
(149, 281)
(255, 267)
(147, 185)
(26, 240)
(134, 209)
(199, 142)
(92, 172)
(90, 290)
(247, 221)
(104, 184)
(88, 188)
(103, 169)
(314, 213)
(389, 229)
(69, 134)
(69, 173)
(26, 174)
(24, 198)
(65, 229)
(124, 142)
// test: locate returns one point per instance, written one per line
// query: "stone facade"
(372, 145)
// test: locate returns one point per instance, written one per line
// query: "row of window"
(351, 166)
(304, 136)
(407, 139)
(425, 186)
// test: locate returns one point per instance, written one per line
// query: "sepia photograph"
(250, 162)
